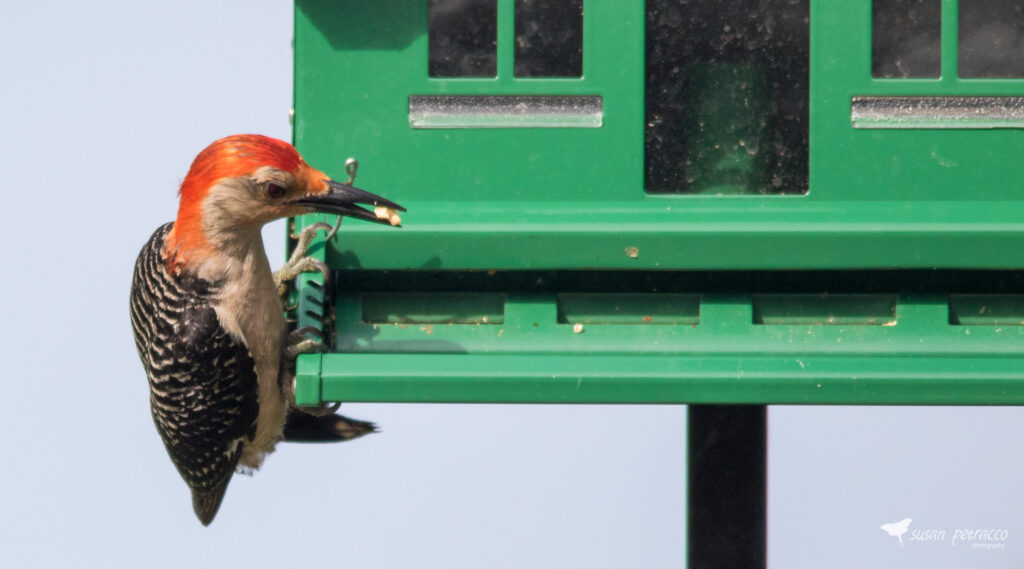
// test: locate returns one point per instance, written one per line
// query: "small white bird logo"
(897, 529)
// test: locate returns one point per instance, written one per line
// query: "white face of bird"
(244, 204)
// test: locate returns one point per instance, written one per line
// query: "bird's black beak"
(341, 199)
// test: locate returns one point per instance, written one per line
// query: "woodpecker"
(208, 319)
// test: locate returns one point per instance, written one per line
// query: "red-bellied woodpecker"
(208, 318)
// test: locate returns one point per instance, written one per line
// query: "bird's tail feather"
(206, 503)
(304, 428)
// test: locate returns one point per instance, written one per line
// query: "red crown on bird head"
(228, 157)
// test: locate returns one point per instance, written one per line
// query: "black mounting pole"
(727, 472)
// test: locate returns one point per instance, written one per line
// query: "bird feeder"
(709, 203)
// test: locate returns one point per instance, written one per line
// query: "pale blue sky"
(104, 106)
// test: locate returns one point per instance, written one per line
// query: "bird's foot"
(300, 262)
(296, 344)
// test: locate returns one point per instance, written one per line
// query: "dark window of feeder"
(991, 42)
(905, 38)
(726, 96)
(463, 38)
(549, 38)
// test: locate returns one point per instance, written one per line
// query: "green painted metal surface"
(565, 199)
(735, 234)
(574, 198)
(553, 378)
(870, 349)
(311, 302)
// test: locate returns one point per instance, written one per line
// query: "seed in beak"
(387, 213)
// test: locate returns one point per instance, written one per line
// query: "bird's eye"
(276, 191)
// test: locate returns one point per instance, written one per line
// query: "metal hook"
(334, 230)
(351, 168)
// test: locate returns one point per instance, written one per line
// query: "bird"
(897, 529)
(208, 319)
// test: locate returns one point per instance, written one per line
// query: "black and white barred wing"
(203, 386)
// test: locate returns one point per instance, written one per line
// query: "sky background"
(104, 106)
